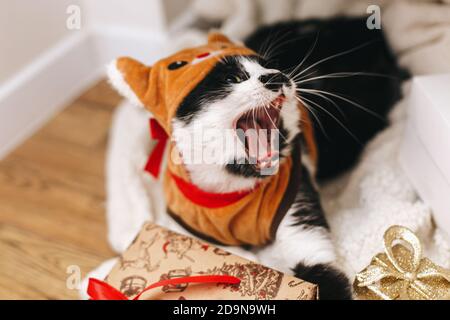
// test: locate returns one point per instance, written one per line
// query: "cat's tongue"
(259, 137)
(257, 140)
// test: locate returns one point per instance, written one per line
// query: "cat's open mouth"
(258, 129)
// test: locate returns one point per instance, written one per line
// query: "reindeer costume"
(247, 217)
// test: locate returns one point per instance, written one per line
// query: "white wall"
(133, 14)
(174, 8)
(27, 29)
(43, 64)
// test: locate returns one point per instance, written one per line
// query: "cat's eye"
(176, 65)
(233, 79)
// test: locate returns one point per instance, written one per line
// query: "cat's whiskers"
(310, 51)
(334, 117)
(311, 111)
(333, 94)
(333, 57)
(344, 75)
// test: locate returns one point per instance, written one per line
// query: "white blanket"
(361, 205)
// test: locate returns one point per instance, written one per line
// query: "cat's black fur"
(291, 42)
(213, 87)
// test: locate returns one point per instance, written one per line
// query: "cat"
(345, 79)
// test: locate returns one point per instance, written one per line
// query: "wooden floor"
(52, 201)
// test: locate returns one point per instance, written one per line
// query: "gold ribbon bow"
(401, 272)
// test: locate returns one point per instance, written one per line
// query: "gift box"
(401, 272)
(425, 150)
(162, 264)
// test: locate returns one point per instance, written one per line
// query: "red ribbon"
(208, 199)
(153, 165)
(100, 290)
(189, 190)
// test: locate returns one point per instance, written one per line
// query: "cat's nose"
(274, 81)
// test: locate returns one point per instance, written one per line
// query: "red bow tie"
(189, 190)
(153, 165)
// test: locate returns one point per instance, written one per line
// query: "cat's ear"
(218, 37)
(130, 78)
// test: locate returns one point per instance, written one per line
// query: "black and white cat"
(346, 76)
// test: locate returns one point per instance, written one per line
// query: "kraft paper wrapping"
(158, 253)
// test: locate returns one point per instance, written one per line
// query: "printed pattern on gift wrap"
(159, 254)
(303, 294)
(132, 285)
(181, 245)
(256, 280)
(145, 259)
(221, 252)
(173, 244)
(177, 273)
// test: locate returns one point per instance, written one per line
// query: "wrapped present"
(401, 273)
(162, 264)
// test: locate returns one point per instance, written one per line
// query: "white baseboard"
(52, 80)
